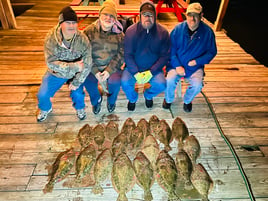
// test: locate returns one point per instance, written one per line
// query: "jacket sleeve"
(63, 68)
(118, 59)
(80, 77)
(164, 54)
(129, 52)
(211, 50)
(174, 60)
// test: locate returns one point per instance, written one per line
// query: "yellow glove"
(138, 77)
(147, 75)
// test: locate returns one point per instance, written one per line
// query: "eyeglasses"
(147, 14)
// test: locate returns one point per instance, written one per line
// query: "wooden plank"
(6, 9)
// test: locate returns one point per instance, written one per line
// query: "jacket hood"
(152, 5)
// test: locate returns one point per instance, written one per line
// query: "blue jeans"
(91, 85)
(194, 88)
(50, 85)
(128, 81)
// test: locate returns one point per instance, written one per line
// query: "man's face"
(193, 20)
(107, 21)
(147, 20)
(69, 27)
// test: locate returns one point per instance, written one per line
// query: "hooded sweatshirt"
(146, 50)
(61, 61)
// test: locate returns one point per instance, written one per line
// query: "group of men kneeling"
(103, 54)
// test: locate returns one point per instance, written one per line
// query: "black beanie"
(67, 14)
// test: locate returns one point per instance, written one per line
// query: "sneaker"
(149, 103)
(166, 105)
(110, 107)
(96, 108)
(187, 107)
(42, 116)
(81, 114)
(131, 106)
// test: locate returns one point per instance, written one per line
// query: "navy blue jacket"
(201, 46)
(146, 51)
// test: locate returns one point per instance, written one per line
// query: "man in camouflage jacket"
(106, 37)
(68, 57)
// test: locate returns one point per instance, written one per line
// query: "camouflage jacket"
(61, 61)
(107, 47)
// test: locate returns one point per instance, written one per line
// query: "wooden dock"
(235, 84)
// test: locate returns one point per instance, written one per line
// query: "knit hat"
(147, 6)
(108, 7)
(194, 8)
(67, 14)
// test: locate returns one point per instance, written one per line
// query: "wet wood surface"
(235, 84)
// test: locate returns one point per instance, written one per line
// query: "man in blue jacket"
(146, 52)
(192, 46)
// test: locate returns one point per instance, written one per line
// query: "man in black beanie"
(68, 57)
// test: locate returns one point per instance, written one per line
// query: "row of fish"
(134, 156)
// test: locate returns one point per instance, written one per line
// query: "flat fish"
(144, 125)
(179, 131)
(151, 150)
(167, 174)
(192, 148)
(201, 181)
(144, 174)
(184, 167)
(112, 130)
(102, 169)
(85, 136)
(60, 169)
(123, 176)
(164, 135)
(85, 161)
(127, 128)
(119, 144)
(99, 135)
(154, 124)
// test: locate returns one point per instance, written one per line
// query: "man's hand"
(80, 65)
(101, 77)
(180, 71)
(98, 76)
(192, 63)
(105, 75)
(72, 87)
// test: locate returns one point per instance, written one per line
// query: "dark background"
(245, 22)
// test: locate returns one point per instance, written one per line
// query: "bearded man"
(106, 37)
(147, 50)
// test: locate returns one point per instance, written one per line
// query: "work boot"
(149, 103)
(131, 106)
(187, 107)
(166, 105)
(97, 108)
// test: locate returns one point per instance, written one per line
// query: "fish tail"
(48, 188)
(97, 189)
(148, 195)
(122, 197)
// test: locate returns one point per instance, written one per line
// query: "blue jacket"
(146, 51)
(201, 46)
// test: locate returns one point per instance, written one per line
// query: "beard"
(106, 25)
(148, 24)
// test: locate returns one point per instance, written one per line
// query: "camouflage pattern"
(61, 61)
(107, 47)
